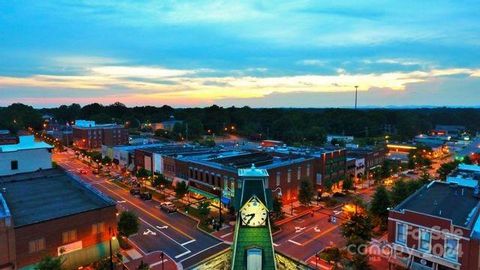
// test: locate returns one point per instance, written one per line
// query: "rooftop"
(48, 194)
(444, 200)
(25, 143)
(234, 160)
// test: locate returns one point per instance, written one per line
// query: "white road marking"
(144, 221)
(317, 229)
(162, 227)
(299, 229)
(225, 235)
(157, 263)
(193, 255)
(276, 245)
(296, 243)
(149, 232)
(188, 242)
(183, 254)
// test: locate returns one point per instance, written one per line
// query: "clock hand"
(251, 217)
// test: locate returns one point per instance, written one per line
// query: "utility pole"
(186, 132)
(356, 96)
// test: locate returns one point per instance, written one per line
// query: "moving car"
(168, 206)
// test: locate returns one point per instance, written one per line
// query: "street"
(175, 234)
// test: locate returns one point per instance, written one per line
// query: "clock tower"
(253, 246)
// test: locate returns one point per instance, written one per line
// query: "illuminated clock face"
(253, 213)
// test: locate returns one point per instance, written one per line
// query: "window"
(451, 249)
(425, 238)
(69, 236)
(254, 259)
(289, 176)
(36, 245)
(277, 180)
(401, 234)
(308, 170)
(98, 228)
(14, 165)
(299, 173)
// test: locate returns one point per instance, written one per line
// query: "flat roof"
(48, 194)
(444, 200)
(26, 142)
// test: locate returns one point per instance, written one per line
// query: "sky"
(240, 53)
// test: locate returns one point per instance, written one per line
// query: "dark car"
(135, 191)
(146, 196)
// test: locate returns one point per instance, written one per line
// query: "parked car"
(135, 191)
(146, 196)
(95, 171)
(197, 196)
(168, 206)
(82, 171)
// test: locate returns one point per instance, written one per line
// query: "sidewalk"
(155, 262)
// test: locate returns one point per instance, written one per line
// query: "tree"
(128, 224)
(446, 168)
(143, 266)
(159, 180)
(277, 207)
(347, 184)
(357, 230)
(306, 191)
(142, 172)
(50, 263)
(204, 210)
(181, 189)
(467, 160)
(379, 206)
(106, 160)
(399, 192)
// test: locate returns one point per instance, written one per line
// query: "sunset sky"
(255, 53)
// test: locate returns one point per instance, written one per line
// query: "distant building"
(465, 175)
(271, 143)
(50, 213)
(27, 155)
(7, 138)
(343, 138)
(437, 227)
(452, 130)
(432, 141)
(89, 135)
(373, 156)
(166, 125)
(124, 155)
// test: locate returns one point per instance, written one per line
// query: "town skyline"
(299, 54)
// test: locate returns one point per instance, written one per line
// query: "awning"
(225, 200)
(203, 193)
(85, 256)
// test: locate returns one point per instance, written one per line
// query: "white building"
(25, 156)
(465, 175)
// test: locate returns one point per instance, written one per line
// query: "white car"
(168, 206)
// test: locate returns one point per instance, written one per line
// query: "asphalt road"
(175, 234)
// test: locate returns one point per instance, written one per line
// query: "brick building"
(373, 156)
(56, 215)
(212, 172)
(88, 135)
(437, 227)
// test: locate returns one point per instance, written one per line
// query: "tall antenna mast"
(356, 95)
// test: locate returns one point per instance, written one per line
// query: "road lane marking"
(162, 233)
(294, 242)
(188, 242)
(225, 235)
(321, 234)
(149, 232)
(183, 254)
(157, 263)
(193, 255)
(162, 227)
(276, 245)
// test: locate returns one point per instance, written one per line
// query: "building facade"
(88, 135)
(428, 231)
(79, 230)
(18, 158)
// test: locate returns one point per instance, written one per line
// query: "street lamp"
(161, 259)
(111, 237)
(291, 204)
(219, 208)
